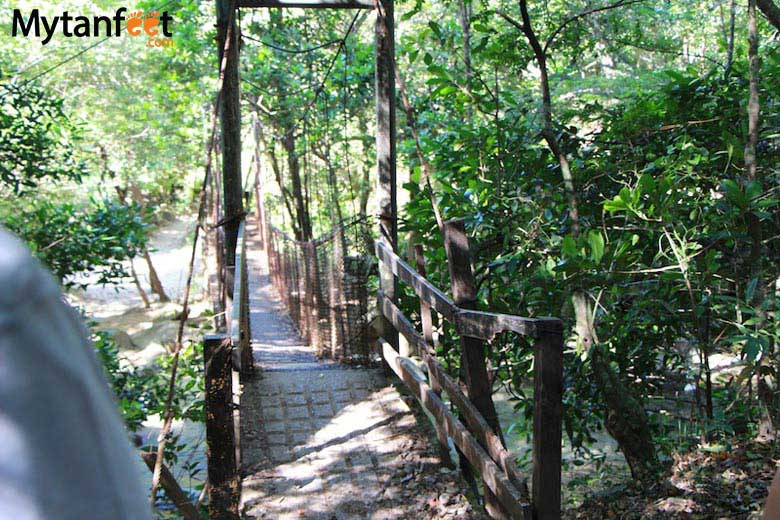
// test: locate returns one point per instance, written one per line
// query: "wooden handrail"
(440, 302)
(498, 482)
(475, 324)
(239, 269)
(238, 325)
(473, 418)
(510, 489)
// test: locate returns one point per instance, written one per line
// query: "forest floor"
(728, 484)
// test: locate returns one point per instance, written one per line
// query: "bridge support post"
(385, 145)
(230, 120)
(548, 415)
(220, 429)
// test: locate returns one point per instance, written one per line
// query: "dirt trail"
(143, 333)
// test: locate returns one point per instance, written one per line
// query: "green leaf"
(750, 290)
(734, 193)
(616, 204)
(436, 29)
(753, 190)
(596, 242)
(752, 348)
(647, 183)
(569, 246)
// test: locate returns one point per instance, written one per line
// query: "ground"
(143, 334)
(390, 455)
(727, 484)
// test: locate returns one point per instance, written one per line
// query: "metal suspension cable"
(321, 86)
(287, 50)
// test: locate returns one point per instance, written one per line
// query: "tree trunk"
(230, 125)
(771, 11)
(138, 286)
(730, 37)
(767, 389)
(293, 166)
(154, 280)
(464, 10)
(365, 187)
(626, 420)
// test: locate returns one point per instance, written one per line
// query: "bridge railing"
(506, 494)
(226, 355)
(323, 284)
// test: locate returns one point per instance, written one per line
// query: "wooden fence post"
(464, 292)
(220, 432)
(548, 413)
(472, 355)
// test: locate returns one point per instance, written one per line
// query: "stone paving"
(321, 441)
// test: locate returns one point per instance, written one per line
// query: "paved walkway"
(320, 441)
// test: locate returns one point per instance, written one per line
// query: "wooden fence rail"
(225, 356)
(478, 436)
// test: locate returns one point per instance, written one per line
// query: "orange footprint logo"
(151, 22)
(134, 23)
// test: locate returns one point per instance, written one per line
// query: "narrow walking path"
(321, 441)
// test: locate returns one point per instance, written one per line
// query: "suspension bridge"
(323, 399)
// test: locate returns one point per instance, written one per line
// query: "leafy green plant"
(71, 240)
(36, 139)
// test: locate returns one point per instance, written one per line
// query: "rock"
(676, 506)
(123, 340)
(445, 499)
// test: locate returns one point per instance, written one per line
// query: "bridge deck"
(323, 441)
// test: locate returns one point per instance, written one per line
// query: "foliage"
(648, 103)
(141, 391)
(72, 241)
(35, 139)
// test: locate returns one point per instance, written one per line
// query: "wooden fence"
(226, 356)
(475, 431)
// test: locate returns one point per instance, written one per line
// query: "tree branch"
(619, 3)
(770, 11)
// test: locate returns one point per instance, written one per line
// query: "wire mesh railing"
(324, 285)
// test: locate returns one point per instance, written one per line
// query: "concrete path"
(320, 441)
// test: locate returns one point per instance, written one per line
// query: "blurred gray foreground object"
(64, 452)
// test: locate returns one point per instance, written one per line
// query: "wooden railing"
(473, 432)
(227, 355)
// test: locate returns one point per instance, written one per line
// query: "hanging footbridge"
(322, 392)
(304, 419)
